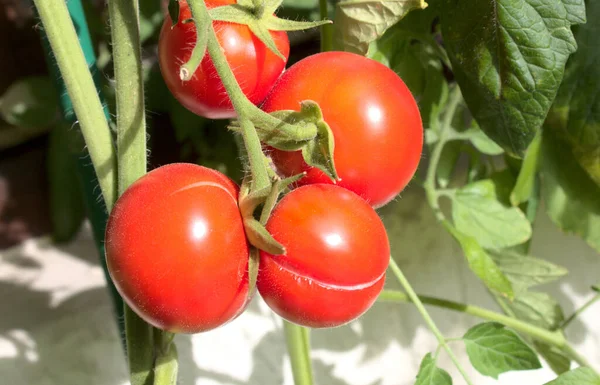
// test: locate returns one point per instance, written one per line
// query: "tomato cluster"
(176, 243)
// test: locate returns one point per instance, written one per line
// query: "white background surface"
(57, 324)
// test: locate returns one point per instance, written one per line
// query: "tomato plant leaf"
(524, 187)
(359, 22)
(30, 102)
(508, 57)
(537, 308)
(482, 264)
(555, 358)
(430, 374)
(493, 350)
(576, 110)
(525, 271)
(477, 212)
(579, 376)
(570, 196)
(481, 141)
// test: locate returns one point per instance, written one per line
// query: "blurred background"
(59, 320)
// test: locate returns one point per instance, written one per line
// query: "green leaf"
(579, 376)
(570, 196)
(477, 212)
(527, 175)
(260, 238)
(525, 271)
(263, 34)
(482, 264)
(482, 142)
(538, 308)
(359, 22)
(508, 57)
(30, 102)
(576, 110)
(430, 374)
(493, 350)
(555, 358)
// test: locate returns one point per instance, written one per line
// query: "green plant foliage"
(494, 350)
(508, 57)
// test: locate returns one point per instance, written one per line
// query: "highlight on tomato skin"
(254, 66)
(177, 251)
(336, 259)
(374, 118)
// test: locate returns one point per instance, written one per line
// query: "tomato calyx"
(260, 18)
(256, 233)
(303, 130)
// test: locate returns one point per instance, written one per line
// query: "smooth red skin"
(254, 66)
(315, 284)
(173, 280)
(375, 158)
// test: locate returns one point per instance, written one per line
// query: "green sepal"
(319, 151)
(260, 238)
(249, 201)
(174, 12)
(253, 266)
(274, 23)
(261, 21)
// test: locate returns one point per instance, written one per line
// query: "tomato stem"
(144, 343)
(298, 342)
(80, 86)
(414, 298)
(326, 29)
(243, 107)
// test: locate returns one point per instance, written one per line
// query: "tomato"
(337, 252)
(176, 248)
(255, 67)
(374, 118)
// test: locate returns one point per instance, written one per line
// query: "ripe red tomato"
(176, 248)
(255, 67)
(337, 252)
(373, 116)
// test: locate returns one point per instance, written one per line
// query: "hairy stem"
(82, 91)
(243, 107)
(414, 298)
(326, 29)
(131, 150)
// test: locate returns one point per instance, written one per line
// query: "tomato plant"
(255, 67)
(373, 116)
(337, 254)
(176, 248)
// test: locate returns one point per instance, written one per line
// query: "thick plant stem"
(142, 351)
(414, 298)
(129, 84)
(80, 86)
(326, 29)
(297, 338)
(540, 334)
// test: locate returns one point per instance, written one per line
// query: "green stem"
(80, 86)
(142, 349)
(297, 338)
(579, 311)
(243, 107)
(326, 29)
(540, 334)
(414, 298)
